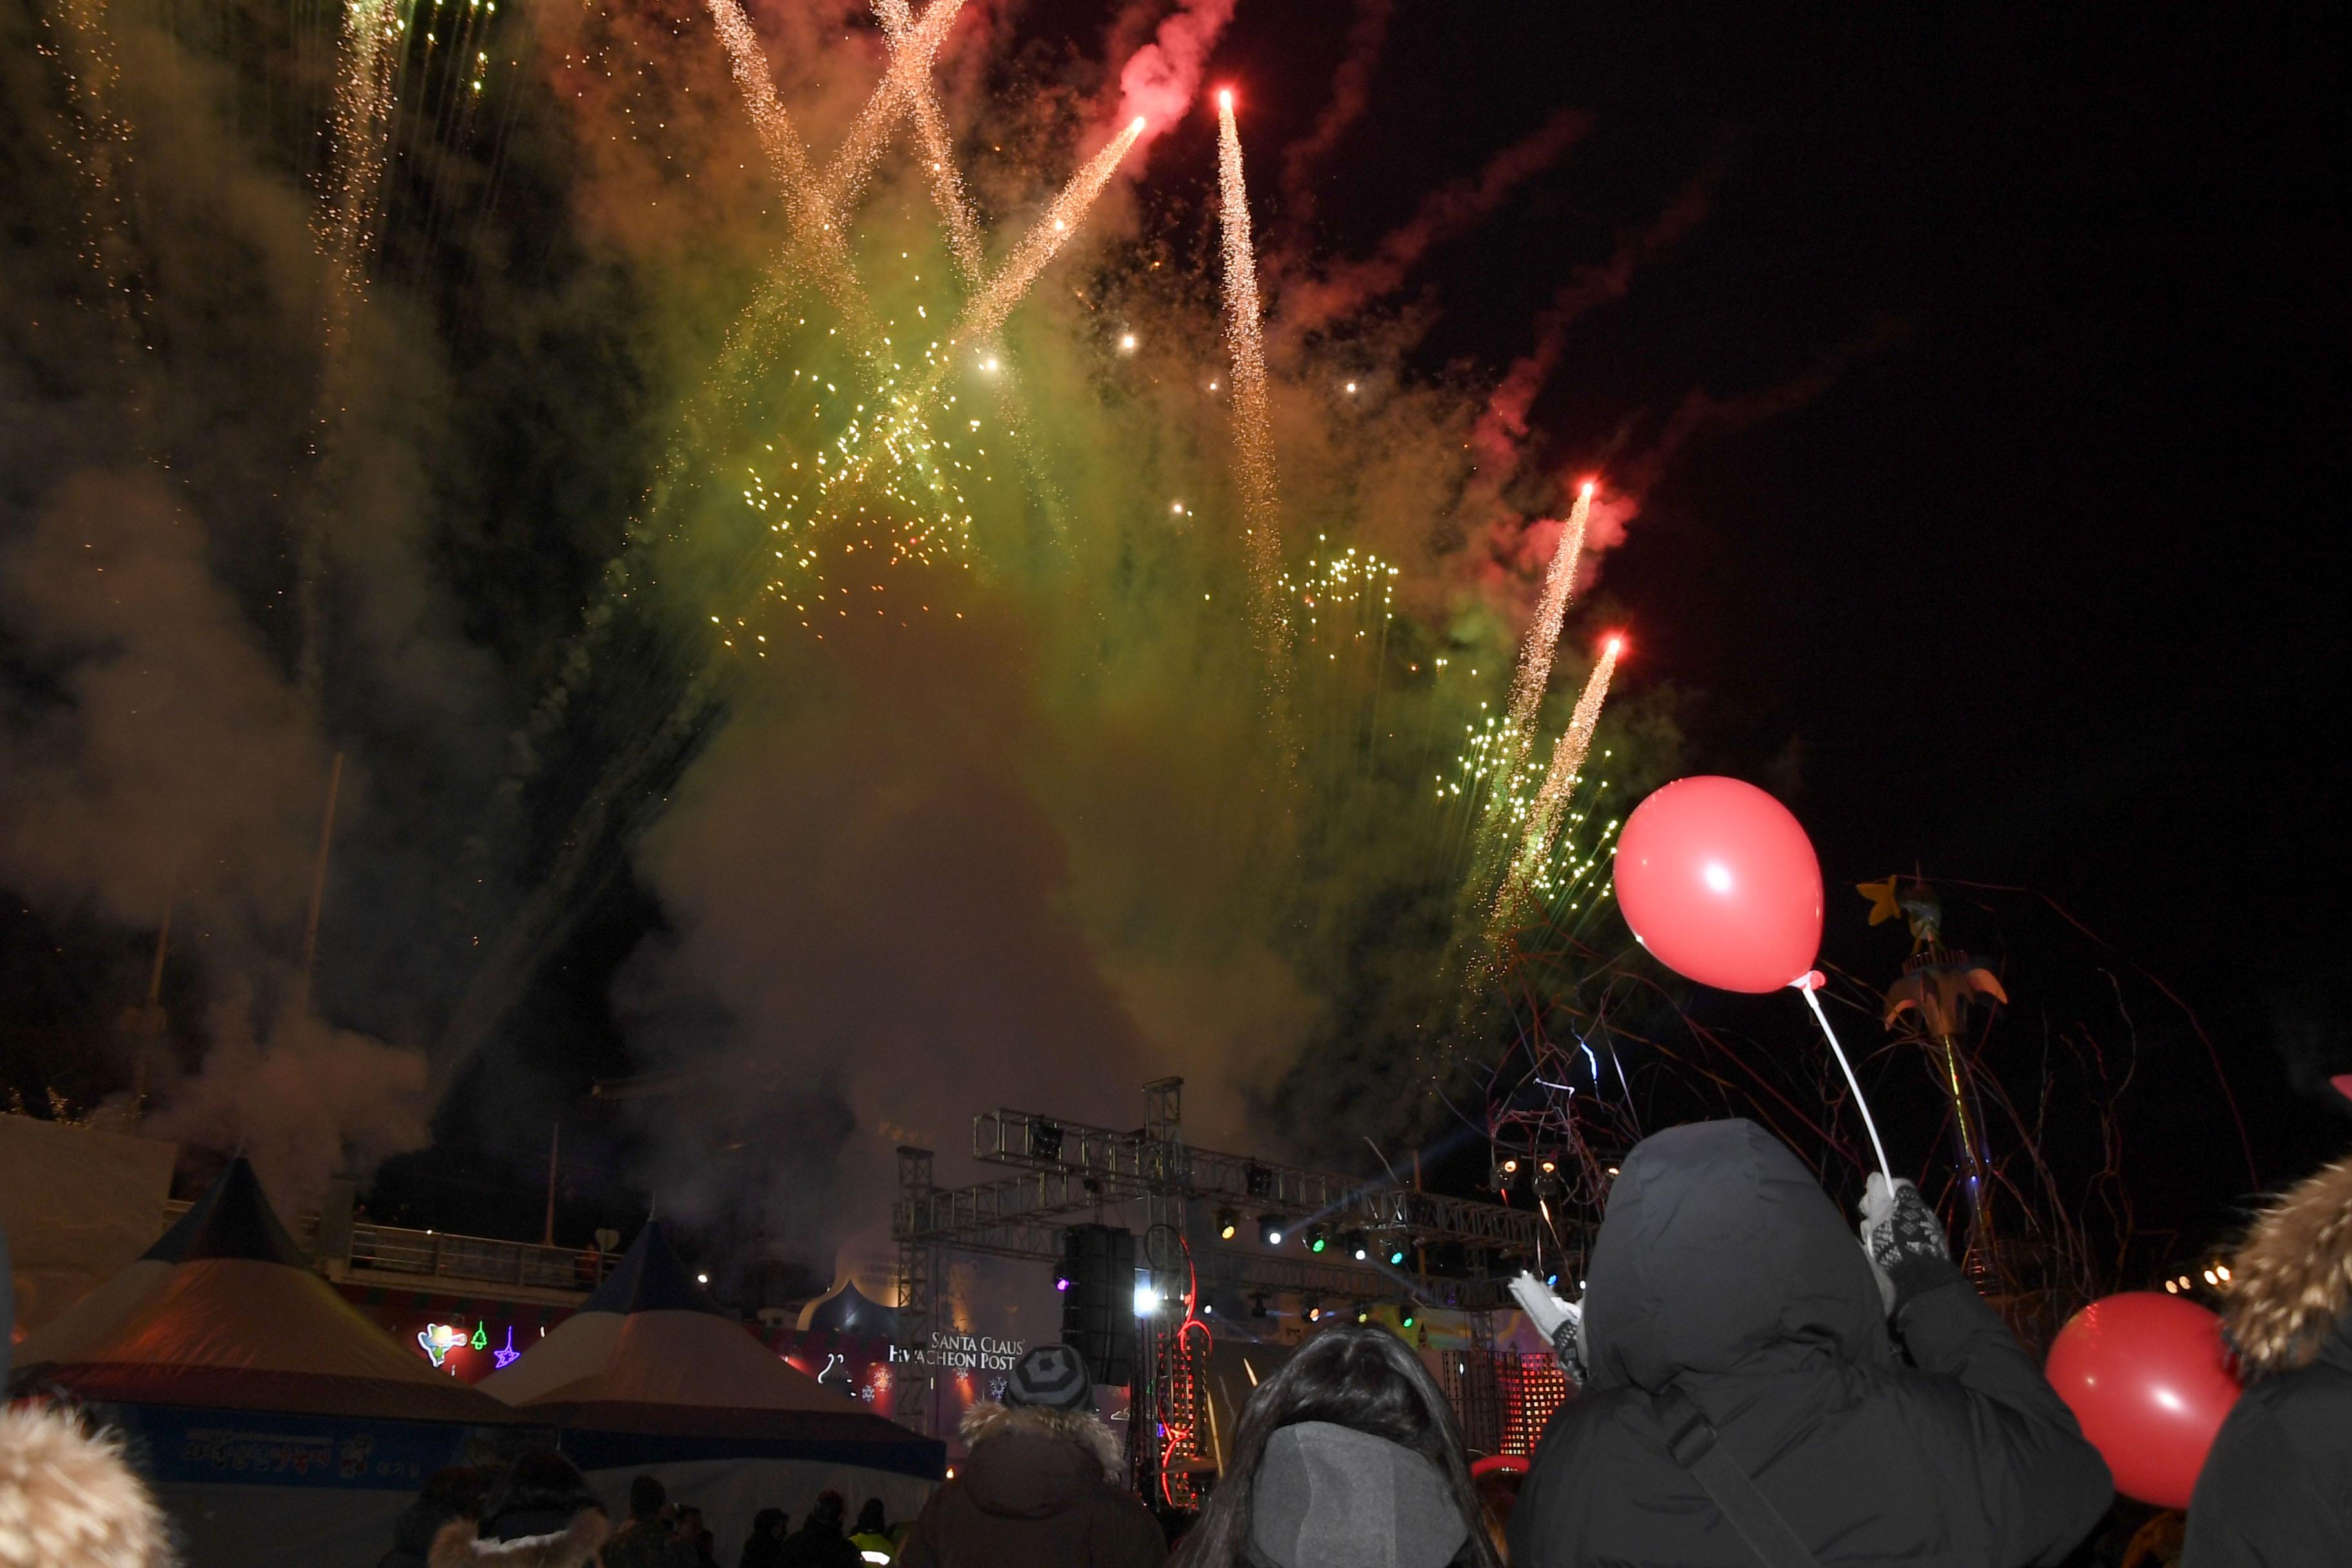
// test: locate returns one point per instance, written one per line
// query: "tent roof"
(651, 1277)
(237, 1322)
(233, 1219)
(652, 1353)
(846, 1310)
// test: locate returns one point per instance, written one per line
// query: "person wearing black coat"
(820, 1543)
(2276, 1490)
(1725, 1292)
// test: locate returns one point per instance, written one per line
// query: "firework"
(1552, 800)
(1534, 677)
(932, 142)
(1253, 428)
(815, 232)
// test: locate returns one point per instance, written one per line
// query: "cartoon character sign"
(440, 1339)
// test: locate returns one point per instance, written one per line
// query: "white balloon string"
(1837, 1050)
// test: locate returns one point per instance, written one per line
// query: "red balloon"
(1720, 883)
(2147, 1377)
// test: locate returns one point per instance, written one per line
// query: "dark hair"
(646, 1495)
(771, 1522)
(457, 1491)
(828, 1509)
(541, 1481)
(1364, 1379)
(869, 1517)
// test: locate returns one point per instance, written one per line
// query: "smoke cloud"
(1161, 80)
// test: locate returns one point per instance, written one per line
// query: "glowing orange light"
(1136, 124)
(1225, 98)
(1587, 489)
(1616, 643)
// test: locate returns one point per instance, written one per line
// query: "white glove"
(1561, 1323)
(1903, 1241)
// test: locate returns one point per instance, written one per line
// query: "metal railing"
(459, 1259)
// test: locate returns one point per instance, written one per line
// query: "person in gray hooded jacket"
(1348, 1457)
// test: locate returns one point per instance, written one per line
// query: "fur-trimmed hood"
(69, 1500)
(457, 1546)
(989, 1419)
(2290, 1282)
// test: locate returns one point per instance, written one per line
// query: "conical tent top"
(233, 1219)
(650, 1278)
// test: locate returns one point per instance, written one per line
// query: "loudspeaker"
(1098, 1308)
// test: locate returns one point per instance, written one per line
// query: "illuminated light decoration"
(481, 1340)
(440, 1339)
(510, 1356)
(832, 1359)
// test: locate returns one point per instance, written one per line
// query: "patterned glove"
(1561, 1323)
(1905, 1244)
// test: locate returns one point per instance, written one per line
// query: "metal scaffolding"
(1066, 1170)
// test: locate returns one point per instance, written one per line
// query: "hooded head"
(1720, 1253)
(2291, 1283)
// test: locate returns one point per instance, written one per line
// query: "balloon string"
(1814, 1002)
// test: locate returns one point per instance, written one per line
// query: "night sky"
(1973, 390)
(2041, 590)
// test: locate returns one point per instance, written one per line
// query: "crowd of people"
(1755, 1391)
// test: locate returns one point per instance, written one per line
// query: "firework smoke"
(1310, 302)
(1160, 80)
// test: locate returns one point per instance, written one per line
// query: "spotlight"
(1549, 1183)
(1317, 1238)
(1314, 1310)
(1147, 1299)
(1405, 1318)
(1356, 1245)
(1269, 1229)
(1505, 1172)
(1257, 1303)
(1396, 1254)
(1208, 1308)
(1229, 1225)
(1363, 1313)
(1061, 1277)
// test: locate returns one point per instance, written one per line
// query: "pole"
(150, 1017)
(1979, 1257)
(554, 1143)
(319, 879)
